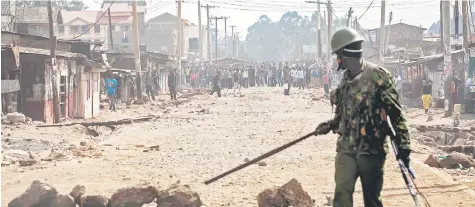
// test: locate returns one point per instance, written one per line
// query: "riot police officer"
(364, 98)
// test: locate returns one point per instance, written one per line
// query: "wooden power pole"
(350, 12)
(232, 34)
(441, 28)
(54, 80)
(386, 44)
(225, 37)
(110, 29)
(456, 18)
(465, 27)
(382, 31)
(216, 35)
(200, 47)
(447, 58)
(138, 68)
(208, 34)
(330, 20)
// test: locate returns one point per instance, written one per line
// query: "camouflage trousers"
(369, 168)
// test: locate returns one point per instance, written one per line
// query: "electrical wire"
(105, 11)
(365, 10)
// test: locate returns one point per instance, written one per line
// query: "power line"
(103, 13)
(365, 10)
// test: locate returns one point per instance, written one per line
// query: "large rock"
(271, 197)
(295, 195)
(133, 196)
(432, 161)
(455, 159)
(77, 192)
(62, 201)
(38, 194)
(290, 194)
(94, 201)
(179, 196)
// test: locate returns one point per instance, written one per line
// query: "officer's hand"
(404, 156)
(322, 128)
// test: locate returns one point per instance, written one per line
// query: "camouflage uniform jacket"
(362, 104)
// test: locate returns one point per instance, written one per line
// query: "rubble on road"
(42, 194)
(15, 118)
(451, 161)
(178, 196)
(290, 194)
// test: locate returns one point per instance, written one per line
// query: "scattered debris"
(455, 160)
(262, 164)
(15, 118)
(38, 193)
(103, 123)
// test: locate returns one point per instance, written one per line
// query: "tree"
(68, 5)
(284, 39)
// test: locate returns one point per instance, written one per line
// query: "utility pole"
(382, 31)
(465, 27)
(200, 47)
(225, 37)
(389, 28)
(208, 35)
(216, 37)
(110, 29)
(350, 12)
(135, 27)
(232, 33)
(330, 14)
(456, 18)
(54, 80)
(180, 45)
(465, 33)
(447, 59)
(319, 34)
(237, 45)
(442, 46)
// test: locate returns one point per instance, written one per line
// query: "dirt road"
(206, 136)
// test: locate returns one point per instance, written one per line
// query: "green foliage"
(68, 5)
(267, 40)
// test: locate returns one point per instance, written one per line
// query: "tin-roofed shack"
(122, 65)
(77, 78)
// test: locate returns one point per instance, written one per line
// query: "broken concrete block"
(93, 201)
(271, 197)
(432, 161)
(179, 196)
(14, 118)
(133, 196)
(455, 159)
(37, 194)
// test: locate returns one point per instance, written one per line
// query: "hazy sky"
(244, 13)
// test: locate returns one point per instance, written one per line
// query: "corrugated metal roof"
(88, 16)
(38, 51)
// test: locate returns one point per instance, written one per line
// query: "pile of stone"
(290, 194)
(40, 194)
(15, 118)
(451, 161)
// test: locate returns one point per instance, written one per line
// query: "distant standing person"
(236, 82)
(216, 87)
(111, 84)
(172, 84)
(426, 94)
(149, 86)
(301, 78)
(326, 85)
